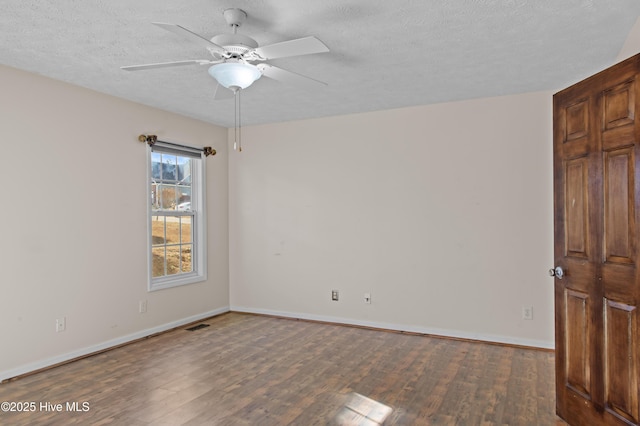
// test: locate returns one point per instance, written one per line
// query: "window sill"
(170, 282)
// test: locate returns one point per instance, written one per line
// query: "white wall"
(632, 44)
(74, 227)
(442, 212)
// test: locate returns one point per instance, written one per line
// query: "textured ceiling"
(384, 54)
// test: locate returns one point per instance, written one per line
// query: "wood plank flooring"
(257, 370)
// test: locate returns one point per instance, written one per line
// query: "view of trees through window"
(172, 214)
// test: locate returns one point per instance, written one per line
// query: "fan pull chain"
(239, 123)
(237, 144)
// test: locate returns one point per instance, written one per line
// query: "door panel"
(621, 386)
(619, 106)
(577, 342)
(576, 213)
(596, 199)
(619, 209)
(576, 120)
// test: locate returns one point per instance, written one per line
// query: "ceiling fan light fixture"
(235, 74)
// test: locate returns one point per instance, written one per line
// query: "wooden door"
(596, 207)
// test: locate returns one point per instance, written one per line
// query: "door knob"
(557, 272)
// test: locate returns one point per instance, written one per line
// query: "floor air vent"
(197, 327)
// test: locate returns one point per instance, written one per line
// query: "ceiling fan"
(237, 60)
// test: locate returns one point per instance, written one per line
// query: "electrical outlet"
(527, 312)
(334, 295)
(61, 324)
(367, 298)
(142, 306)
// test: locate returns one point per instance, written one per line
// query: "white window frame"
(198, 224)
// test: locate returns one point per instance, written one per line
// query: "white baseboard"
(34, 366)
(457, 334)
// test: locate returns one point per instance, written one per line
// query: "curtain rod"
(152, 139)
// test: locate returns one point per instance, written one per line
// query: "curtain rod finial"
(150, 139)
(208, 151)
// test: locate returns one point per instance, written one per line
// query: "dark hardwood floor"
(258, 370)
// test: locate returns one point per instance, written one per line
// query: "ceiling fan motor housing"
(235, 43)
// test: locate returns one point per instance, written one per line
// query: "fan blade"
(183, 32)
(285, 76)
(167, 64)
(300, 46)
(221, 93)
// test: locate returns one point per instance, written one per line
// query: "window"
(176, 216)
